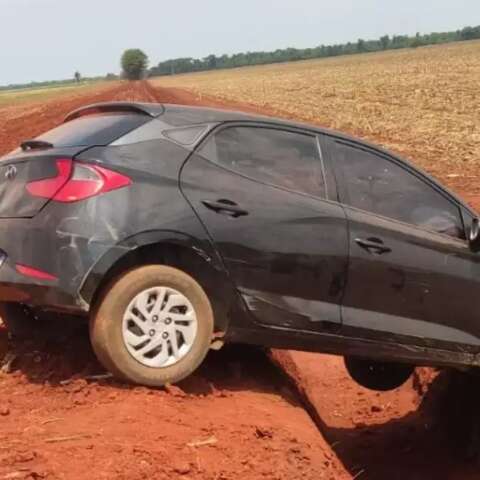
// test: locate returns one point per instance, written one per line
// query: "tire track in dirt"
(236, 417)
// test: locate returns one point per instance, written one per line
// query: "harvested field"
(423, 103)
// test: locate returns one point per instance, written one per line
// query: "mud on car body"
(173, 229)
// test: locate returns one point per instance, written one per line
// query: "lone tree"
(134, 64)
(77, 76)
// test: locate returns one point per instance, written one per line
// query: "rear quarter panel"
(70, 240)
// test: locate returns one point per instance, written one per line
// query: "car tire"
(126, 311)
(376, 375)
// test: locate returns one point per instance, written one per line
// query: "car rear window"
(100, 129)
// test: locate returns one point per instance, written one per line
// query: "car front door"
(412, 277)
(260, 192)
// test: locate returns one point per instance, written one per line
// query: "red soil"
(235, 417)
(410, 433)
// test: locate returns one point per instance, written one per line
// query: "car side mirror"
(474, 234)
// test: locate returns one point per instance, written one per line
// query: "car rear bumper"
(57, 243)
(15, 287)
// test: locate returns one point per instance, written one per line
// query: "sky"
(51, 39)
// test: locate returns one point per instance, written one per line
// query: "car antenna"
(35, 145)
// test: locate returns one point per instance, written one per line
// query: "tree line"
(213, 62)
(134, 62)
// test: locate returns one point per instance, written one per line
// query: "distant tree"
(211, 62)
(349, 48)
(417, 41)
(134, 64)
(470, 33)
(77, 76)
(385, 41)
(361, 47)
(400, 41)
(110, 76)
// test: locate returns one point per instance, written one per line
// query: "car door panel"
(411, 279)
(418, 292)
(285, 251)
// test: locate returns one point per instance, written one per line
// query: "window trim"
(270, 126)
(343, 194)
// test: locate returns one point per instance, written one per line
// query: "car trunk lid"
(21, 170)
(31, 175)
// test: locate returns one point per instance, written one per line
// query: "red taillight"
(49, 187)
(34, 273)
(86, 181)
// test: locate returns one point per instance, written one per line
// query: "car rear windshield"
(99, 129)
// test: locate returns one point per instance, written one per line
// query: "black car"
(176, 229)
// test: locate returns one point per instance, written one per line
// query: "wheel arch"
(167, 248)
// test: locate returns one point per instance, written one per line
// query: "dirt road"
(238, 417)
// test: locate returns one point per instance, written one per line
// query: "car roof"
(185, 115)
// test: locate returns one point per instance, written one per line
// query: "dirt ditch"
(62, 417)
(239, 416)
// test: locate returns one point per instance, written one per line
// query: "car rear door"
(412, 277)
(260, 191)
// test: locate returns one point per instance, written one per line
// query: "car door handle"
(225, 207)
(373, 245)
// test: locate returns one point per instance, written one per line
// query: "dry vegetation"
(423, 103)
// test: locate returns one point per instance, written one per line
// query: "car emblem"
(11, 172)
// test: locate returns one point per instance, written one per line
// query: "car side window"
(375, 184)
(278, 157)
